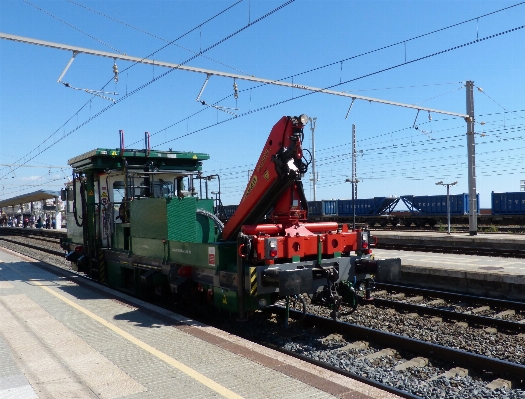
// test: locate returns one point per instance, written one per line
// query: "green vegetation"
(491, 229)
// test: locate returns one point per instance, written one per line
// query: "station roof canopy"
(39, 195)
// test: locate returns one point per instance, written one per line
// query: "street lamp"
(440, 183)
(354, 197)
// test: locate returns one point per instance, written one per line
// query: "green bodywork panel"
(120, 236)
(114, 275)
(217, 256)
(148, 218)
(173, 219)
(151, 248)
(182, 225)
(170, 229)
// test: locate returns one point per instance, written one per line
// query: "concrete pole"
(354, 173)
(471, 151)
(313, 123)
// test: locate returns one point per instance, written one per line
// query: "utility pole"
(354, 172)
(471, 153)
(354, 179)
(314, 176)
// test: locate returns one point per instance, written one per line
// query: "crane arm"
(275, 181)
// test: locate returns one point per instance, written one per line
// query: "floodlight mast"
(468, 117)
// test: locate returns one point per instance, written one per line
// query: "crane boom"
(275, 182)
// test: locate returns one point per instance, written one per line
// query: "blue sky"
(395, 158)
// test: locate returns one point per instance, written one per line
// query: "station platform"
(469, 274)
(464, 240)
(62, 336)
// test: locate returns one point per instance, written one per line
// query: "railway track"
(508, 317)
(10, 231)
(392, 343)
(39, 246)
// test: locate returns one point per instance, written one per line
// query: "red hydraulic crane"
(276, 186)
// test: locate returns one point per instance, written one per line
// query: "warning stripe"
(253, 281)
(102, 267)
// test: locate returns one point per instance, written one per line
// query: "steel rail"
(35, 247)
(472, 319)
(456, 356)
(209, 72)
(453, 295)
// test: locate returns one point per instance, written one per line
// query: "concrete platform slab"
(477, 275)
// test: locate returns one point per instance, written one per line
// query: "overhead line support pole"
(313, 123)
(354, 175)
(471, 153)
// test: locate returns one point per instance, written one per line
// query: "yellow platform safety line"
(253, 281)
(208, 382)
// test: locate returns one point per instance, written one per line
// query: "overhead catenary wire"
(348, 81)
(399, 43)
(372, 50)
(363, 53)
(155, 36)
(154, 80)
(390, 169)
(432, 146)
(89, 101)
(73, 27)
(482, 39)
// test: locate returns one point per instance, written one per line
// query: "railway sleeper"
(415, 362)
(500, 383)
(382, 353)
(454, 372)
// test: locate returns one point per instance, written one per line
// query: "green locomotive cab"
(137, 223)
